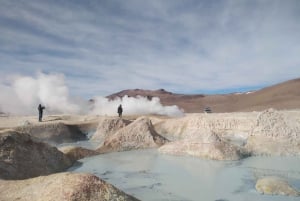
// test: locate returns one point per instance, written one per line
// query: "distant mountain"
(285, 95)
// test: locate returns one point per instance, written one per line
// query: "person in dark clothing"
(41, 108)
(120, 110)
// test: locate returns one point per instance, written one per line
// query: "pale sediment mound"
(207, 146)
(193, 125)
(21, 157)
(77, 153)
(137, 135)
(61, 187)
(172, 128)
(108, 126)
(275, 186)
(214, 151)
(275, 133)
(53, 132)
(198, 135)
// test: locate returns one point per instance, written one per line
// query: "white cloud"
(184, 46)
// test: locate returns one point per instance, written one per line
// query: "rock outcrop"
(108, 126)
(53, 132)
(77, 153)
(275, 186)
(61, 187)
(275, 133)
(137, 135)
(21, 157)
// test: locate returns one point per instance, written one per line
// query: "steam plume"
(23, 94)
(131, 106)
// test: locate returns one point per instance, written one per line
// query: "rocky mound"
(77, 153)
(199, 135)
(21, 157)
(214, 151)
(275, 133)
(107, 127)
(139, 134)
(207, 146)
(275, 186)
(193, 125)
(53, 132)
(173, 129)
(61, 187)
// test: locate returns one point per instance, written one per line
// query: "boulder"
(275, 186)
(61, 187)
(53, 132)
(275, 133)
(137, 135)
(77, 153)
(108, 126)
(21, 157)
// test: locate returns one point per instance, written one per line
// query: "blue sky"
(183, 46)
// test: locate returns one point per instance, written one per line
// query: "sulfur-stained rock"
(21, 157)
(275, 186)
(137, 135)
(61, 187)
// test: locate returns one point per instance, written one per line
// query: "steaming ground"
(22, 94)
(154, 174)
(134, 106)
(151, 175)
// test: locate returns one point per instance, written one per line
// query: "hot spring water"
(149, 175)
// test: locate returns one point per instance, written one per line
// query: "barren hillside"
(285, 95)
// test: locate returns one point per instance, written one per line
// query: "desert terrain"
(58, 159)
(282, 96)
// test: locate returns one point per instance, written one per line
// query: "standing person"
(41, 108)
(120, 110)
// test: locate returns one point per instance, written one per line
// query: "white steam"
(23, 94)
(132, 106)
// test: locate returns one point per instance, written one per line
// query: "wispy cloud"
(184, 46)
